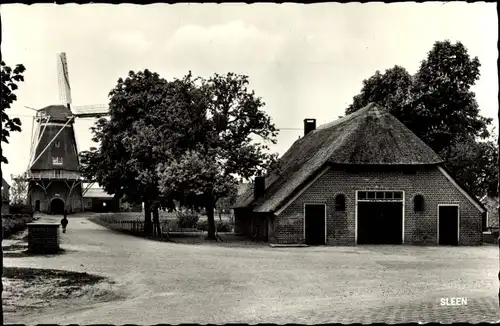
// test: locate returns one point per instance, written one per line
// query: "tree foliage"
(209, 171)
(186, 140)
(474, 163)
(10, 80)
(124, 163)
(19, 189)
(391, 89)
(445, 106)
(438, 105)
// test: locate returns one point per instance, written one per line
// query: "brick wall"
(73, 203)
(43, 238)
(419, 227)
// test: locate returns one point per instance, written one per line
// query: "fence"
(491, 235)
(166, 225)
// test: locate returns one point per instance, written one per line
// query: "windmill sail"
(90, 111)
(63, 79)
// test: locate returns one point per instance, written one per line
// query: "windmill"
(55, 184)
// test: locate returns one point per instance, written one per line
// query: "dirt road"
(175, 283)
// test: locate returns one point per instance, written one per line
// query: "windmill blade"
(63, 79)
(90, 111)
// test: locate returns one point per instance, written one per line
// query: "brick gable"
(419, 227)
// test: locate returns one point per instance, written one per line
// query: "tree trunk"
(209, 208)
(148, 225)
(156, 222)
(1, 274)
(498, 195)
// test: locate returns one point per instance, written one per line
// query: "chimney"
(309, 125)
(259, 187)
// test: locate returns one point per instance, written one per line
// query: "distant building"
(98, 200)
(54, 181)
(128, 207)
(5, 197)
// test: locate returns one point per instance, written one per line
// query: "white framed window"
(57, 160)
(380, 195)
(58, 143)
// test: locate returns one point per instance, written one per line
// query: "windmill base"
(54, 197)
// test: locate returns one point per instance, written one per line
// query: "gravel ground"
(29, 291)
(178, 283)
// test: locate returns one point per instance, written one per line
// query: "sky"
(305, 61)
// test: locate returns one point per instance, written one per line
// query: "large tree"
(10, 78)
(124, 162)
(150, 121)
(437, 104)
(228, 150)
(444, 104)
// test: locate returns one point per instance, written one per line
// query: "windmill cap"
(57, 112)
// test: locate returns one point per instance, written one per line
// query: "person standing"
(64, 222)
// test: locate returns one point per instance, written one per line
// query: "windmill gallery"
(55, 185)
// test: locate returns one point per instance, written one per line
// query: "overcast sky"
(305, 61)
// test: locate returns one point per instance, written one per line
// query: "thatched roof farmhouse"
(364, 178)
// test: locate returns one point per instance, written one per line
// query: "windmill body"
(55, 185)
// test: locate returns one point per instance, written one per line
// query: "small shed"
(5, 197)
(98, 200)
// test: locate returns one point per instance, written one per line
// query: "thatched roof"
(57, 113)
(369, 136)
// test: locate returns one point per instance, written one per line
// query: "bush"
(21, 209)
(187, 220)
(14, 223)
(221, 226)
(202, 225)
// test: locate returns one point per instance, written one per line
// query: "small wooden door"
(315, 224)
(448, 225)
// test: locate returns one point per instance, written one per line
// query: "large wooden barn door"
(380, 217)
(448, 225)
(315, 224)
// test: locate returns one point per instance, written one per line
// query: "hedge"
(14, 223)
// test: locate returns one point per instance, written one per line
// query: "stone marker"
(43, 237)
